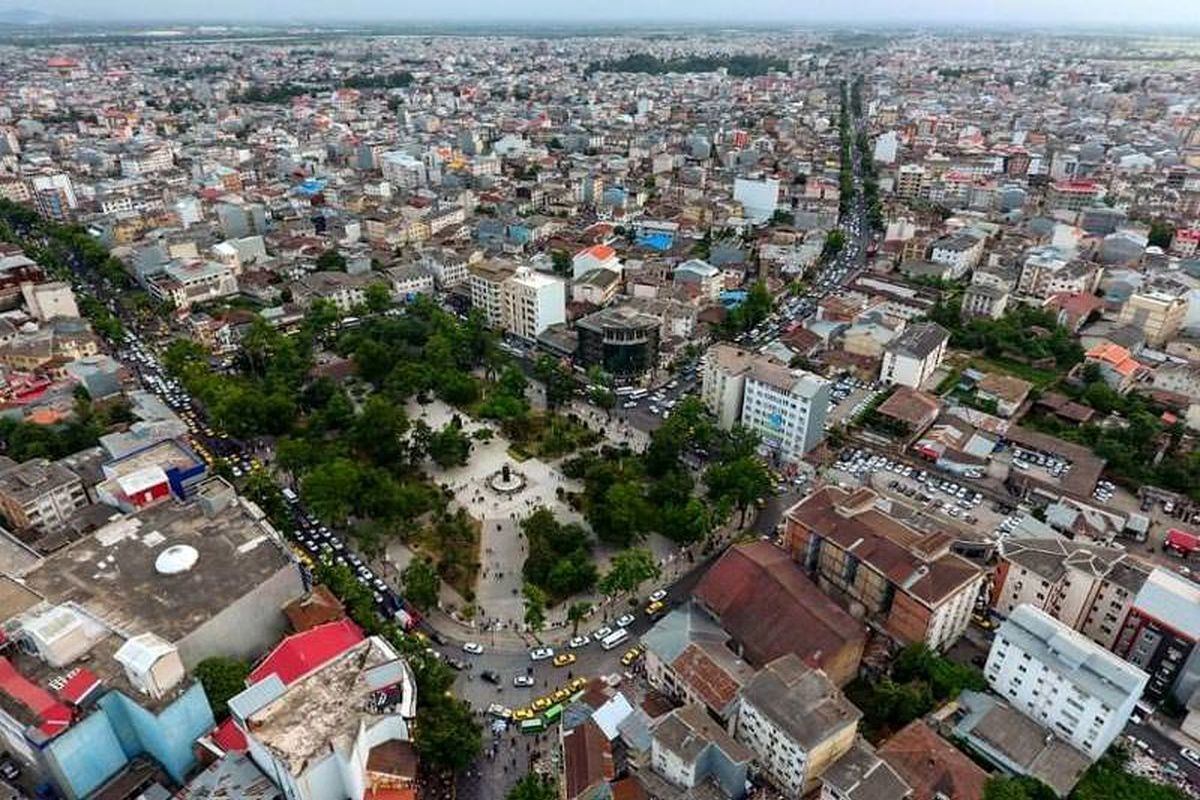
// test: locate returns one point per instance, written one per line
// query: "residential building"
(485, 279)
(1072, 196)
(984, 300)
(184, 283)
(754, 591)
(688, 749)
(910, 180)
(786, 408)
(759, 198)
(39, 495)
(1160, 634)
(796, 722)
(1087, 587)
(402, 170)
(1006, 392)
(1158, 313)
(596, 287)
(587, 763)
(340, 288)
(410, 281)
(932, 767)
(907, 578)
(960, 251)
(336, 729)
(598, 256)
(860, 774)
(724, 382)
(46, 301)
(531, 301)
(699, 279)
(1118, 368)
(620, 340)
(911, 358)
(1062, 680)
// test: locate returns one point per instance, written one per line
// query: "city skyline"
(869, 13)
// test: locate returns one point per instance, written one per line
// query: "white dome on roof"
(176, 559)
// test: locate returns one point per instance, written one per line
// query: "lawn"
(452, 541)
(1040, 378)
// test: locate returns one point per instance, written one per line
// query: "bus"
(622, 391)
(535, 725)
(551, 714)
(614, 639)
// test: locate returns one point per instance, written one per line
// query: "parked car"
(522, 681)
(491, 676)
(624, 621)
(474, 648)
(541, 653)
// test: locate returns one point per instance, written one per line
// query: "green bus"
(551, 714)
(535, 725)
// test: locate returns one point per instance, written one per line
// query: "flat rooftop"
(111, 573)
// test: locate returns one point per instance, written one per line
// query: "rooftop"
(1172, 600)
(688, 731)
(919, 340)
(931, 765)
(800, 700)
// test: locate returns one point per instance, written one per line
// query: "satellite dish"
(176, 559)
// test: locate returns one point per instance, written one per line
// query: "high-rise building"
(1159, 313)
(531, 301)
(786, 407)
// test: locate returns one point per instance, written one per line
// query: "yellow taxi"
(655, 608)
(561, 695)
(631, 655)
(564, 659)
(542, 703)
(522, 713)
(577, 684)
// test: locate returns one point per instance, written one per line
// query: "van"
(614, 639)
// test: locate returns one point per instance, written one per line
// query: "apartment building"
(1063, 681)
(796, 722)
(723, 383)
(1067, 195)
(1087, 587)
(688, 749)
(403, 170)
(910, 180)
(907, 579)
(39, 495)
(786, 407)
(1157, 312)
(1160, 635)
(911, 358)
(531, 301)
(960, 251)
(485, 280)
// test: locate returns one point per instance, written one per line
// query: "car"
(522, 681)
(474, 648)
(541, 653)
(9, 770)
(577, 683)
(655, 608)
(502, 712)
(1191, 755)
(578, 642)
(564, 659)
(491, 676)
(560, 695)
(601, 633)
(631, 655)
(542, 703)
(624, 621)
(658, 596)
(457, 663)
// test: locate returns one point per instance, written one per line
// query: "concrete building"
(723, 383)
(531, 301)
(403, 170)
(39, 495)
(759, 199)
(983, 300)
(904, 577)
(1062, 680)
(598, 256)
(688, 749)
(796, 722)
(339, 730)
(960, 251)
(911, 358)
(485, 280)
(46, 301)
(1087, 587)
(1160, 635)
(786, 408)
(620, 340)
(1158, 313)
(699, 279)
(910, 180)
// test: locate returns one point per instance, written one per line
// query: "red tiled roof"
(931, 765)
(757, 591)
(301, 653)
(53, 717)
(587, 759)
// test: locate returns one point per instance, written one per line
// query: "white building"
(759, 199)
(911, 358)
(598, 256)
(885, 147)
(403, 170)
(46, 301)
(531, 302)
(786, 407)
(960, 251)
(1062, 680)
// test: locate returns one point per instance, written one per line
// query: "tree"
(834, 242)
(1004, 787)
(421, 584)
(741, 481)
(222, 678)
(562, 261)
(628, 570)
(447, 736)
(331, 261)
(449, 446)
(1161, 234)
(377, 298)
(559, 383)
(535, 607)
(576, 614)
(533, 787)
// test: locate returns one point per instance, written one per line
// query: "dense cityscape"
(598, 414)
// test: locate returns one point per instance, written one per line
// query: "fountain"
(506, 481)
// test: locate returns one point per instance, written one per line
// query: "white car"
(601, 633)
(522, 681)
(541, 653)
(658, 596)
(1191, 755)
(625, 620)
(578, 642)
(474, 648)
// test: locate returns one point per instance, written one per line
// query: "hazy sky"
(1073, 13)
